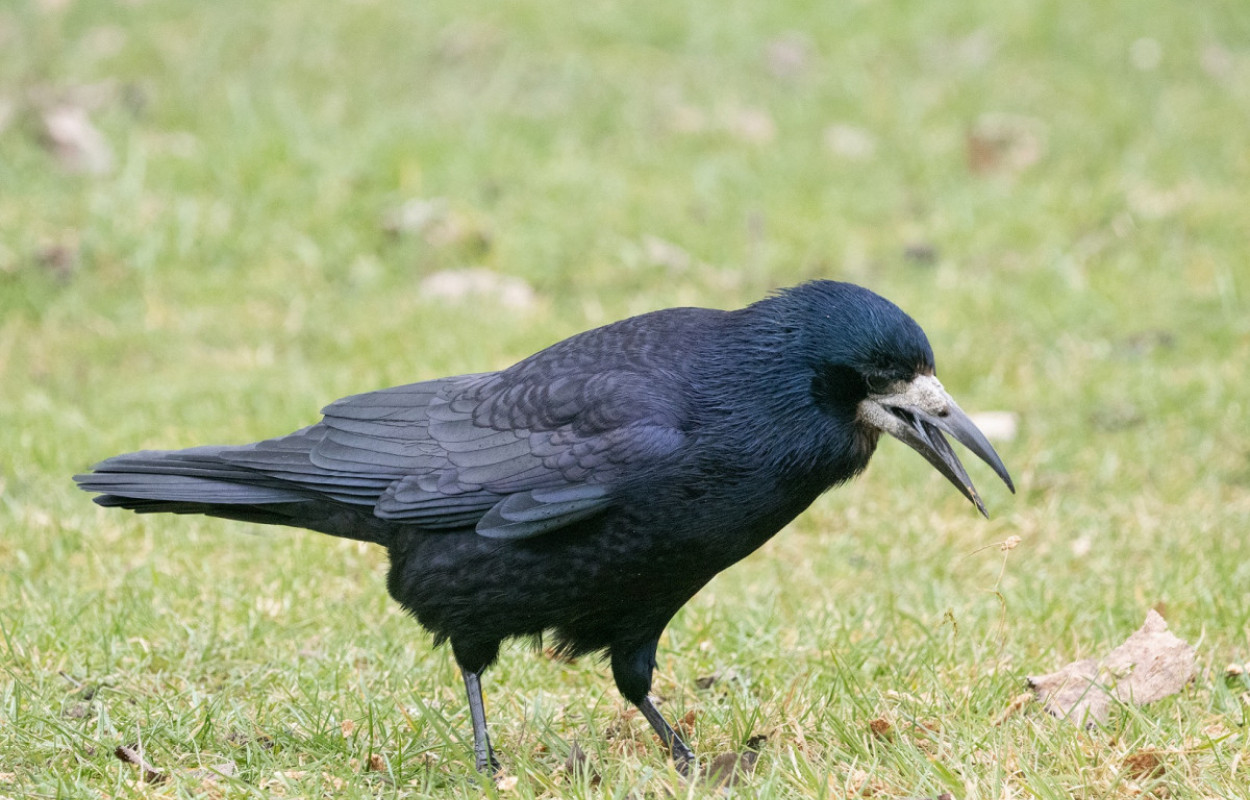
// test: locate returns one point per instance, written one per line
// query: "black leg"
(683, 758)
(632, 666)
(482, 753)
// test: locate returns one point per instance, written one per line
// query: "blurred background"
(217, 217)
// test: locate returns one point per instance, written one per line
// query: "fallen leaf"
(133, 755)
(1153, 202)
(850, 142)
(788, 55)
(921, 253)
(507, 783)
(1146, 342)
(1151, 664)
(998, 426)
(684, 118)
(1018, 702)
(415, 215)
(8, 110)
(1117, 417)
(214, 773)
(685, 725)
(706, 682)
(472, 282)
(578, 763)
(1144, 764)
(1145, 54)
(436, 222)
(376, 763)
(881, 728)
(728, 768)
(859, 783)
(751, 125)
(346, 727)
(1005, 143)
(663, 253)
(1217, 61)
(76, 143)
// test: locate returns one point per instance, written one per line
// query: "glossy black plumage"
(588, 491)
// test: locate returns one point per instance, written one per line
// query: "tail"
(203, 480)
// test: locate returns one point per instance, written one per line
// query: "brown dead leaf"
(858, 783)
(1144, 764)
(1018, 702)
(1151, 664)
(478, 282)
(685, 725)
(850, 142)
(921, 252)
(788, 55)
(1217, 61)
(684, 118)
(752, 125)
(210, 775)
(8, 110)
(663, 253)
(729, 768)
(706, 682)
(74, 141)
(507, 783)
(578, 762)
(1005, 143)
(998, 426)
(437, 223)
(881, 728)
(132, 754)
(415, 215)
(376, 763)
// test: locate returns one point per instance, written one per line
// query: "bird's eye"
(878, 384)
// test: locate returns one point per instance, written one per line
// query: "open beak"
(918, 416)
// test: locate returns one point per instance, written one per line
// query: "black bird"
(590, 490)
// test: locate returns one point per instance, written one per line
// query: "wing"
(513, 454)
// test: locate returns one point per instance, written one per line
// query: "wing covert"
(514, 455)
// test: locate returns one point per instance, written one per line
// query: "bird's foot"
(487, 764)
(683, 760)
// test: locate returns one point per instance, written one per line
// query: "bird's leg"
(632, 667)
(484, 757)
(683, 757)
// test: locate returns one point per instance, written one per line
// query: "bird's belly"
(606, 579)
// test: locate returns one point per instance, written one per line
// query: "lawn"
(217, 217)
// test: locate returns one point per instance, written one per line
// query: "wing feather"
(513, 454)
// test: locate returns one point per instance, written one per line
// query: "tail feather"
(197, 475)
(273, 482)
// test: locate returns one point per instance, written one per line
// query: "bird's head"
(874, 363)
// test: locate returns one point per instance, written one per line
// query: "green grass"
(231, 274)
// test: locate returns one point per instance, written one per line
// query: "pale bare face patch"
(923, 393)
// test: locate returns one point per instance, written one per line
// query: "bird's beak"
(917, 414)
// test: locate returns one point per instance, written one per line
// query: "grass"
(231, 273)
